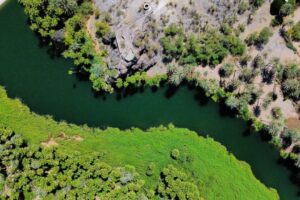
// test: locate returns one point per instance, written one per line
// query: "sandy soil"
(261, 19)
(157, 69)
(50, 142)
(293, 123)
(287, 106)
(77, 138)
(275, 48)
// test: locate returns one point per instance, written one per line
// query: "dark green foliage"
(280, 6)
(247, 75)
(290, 81)
(257, 3)
(291, 88)
(294, 32)
(80, 46)
(46, 173)
(175, 184)
(139, 79)
(103, 28)
(264, 35)
(208, 49)
(173, 42)
(259, 39)
(235, 46)
(286, 9)
(251, 39)
(227, 70)
(49, 16)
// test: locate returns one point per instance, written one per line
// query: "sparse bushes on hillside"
(208, 49)
(290, 81)
(259, 39)
(294, 32)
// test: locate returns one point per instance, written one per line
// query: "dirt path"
(91, 29)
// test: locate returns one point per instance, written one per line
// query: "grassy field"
(220, 174)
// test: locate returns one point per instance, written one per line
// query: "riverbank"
(70, 99)
(207, 159)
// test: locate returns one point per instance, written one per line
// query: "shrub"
(102, 28)
(175, 153)
(150, 169)
(294, 32)
(227, 70)
(259, 39)
(175, 185)
(263, 37)
(286, 9)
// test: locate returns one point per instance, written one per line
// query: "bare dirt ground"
(54, 141)
(276, 48)
(261, 19)
(92, 32)
(77, 138)
(138, 29)
(293, 123)
(130, 20)
(51, 142)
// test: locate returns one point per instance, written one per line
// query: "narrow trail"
(90, 26)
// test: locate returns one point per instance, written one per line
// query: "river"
(29, 72)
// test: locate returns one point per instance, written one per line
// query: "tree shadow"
(171, 91)
(247, 132)
(265, 135)
(201, 98)
(225, 111)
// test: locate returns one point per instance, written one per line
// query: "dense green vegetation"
(259, 39)
(208, 49)
(191, 50)
(282, 8)
(216, 174)
(65, 25)
(28, 173)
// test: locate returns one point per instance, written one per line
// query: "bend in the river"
(28, 72)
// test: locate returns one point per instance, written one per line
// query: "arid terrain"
(136, 26)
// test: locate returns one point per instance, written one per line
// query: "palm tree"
(232, 102)
(176, 75)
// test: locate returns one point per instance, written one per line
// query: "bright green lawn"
(220, 174)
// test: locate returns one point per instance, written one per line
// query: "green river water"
(29, 73)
